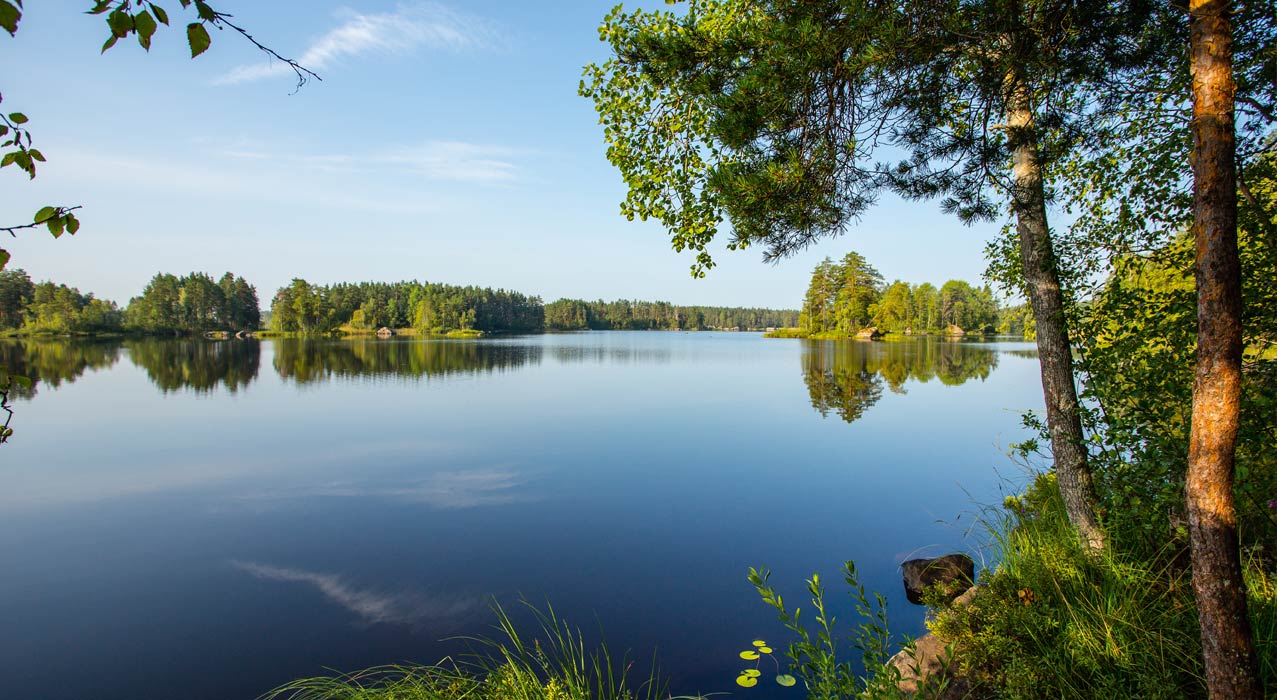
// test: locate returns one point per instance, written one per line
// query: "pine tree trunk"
(1228, 646)
(1043, 282)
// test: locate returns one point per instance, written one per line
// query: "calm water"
(209, 519)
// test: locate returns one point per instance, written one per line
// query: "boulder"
(953, 573)
(868, 333)
(384, 332)
(928, 670)
(954, 330)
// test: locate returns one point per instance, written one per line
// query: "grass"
(555, 665)
(786, 333)
(1054, 621)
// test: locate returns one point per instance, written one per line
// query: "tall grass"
(1054, 620)
(556, 664)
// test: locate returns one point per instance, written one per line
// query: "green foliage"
(826, 670)
(748, 677)
(427, 307)
(849, 295)
(194, 304)
(1137, 352)
(59, 309)
(1055, 620)
(624, 314)
(556, 665)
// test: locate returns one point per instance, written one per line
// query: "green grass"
(786, 333)
(555, 665)
(1054, 621)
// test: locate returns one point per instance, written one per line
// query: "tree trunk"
(1228, 647)
(1054, 353)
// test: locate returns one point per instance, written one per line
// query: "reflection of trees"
(847, 377)
(306, 360)
(197, 364)
(53, 362)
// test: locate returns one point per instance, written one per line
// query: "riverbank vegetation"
(1148, 126)
(557, 664)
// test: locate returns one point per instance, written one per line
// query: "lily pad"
(759, 643)
(786, 680)
(751, 672)
(746, 681)
(764, 650)
(749, 655)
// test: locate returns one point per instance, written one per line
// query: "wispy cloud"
(410, 27)
(455, 161)
(446, 490)
(374, 607)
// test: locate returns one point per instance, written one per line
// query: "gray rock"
(953, 573)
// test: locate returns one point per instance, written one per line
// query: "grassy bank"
(555, 665)
(1052, 620)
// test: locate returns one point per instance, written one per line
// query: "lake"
(209, 519)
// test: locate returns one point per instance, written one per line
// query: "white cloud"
(454, 161)
(374, 607)
(446, 490)
(410, 27)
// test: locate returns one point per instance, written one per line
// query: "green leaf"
(206, 13)
(24, 382)
(8, 159)
(197, 37)
(746, 682)
(4, 258)
(56, 226)
(159, 13)
(749, 655)
(100, 6)
(73, 224)
(764, 650)
(751, 672)
(9, 17)
(759, 643)
(45, 214)
(120, 22)
(36, 155)
(17, 117)
(786, 680)
(109, 43)
(145, 28)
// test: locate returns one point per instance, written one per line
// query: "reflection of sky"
(635, 491)
(373, 607)
(448, 489)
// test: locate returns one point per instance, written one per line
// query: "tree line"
(624, 314)
(196, 303)
(848, 295)
(169, 304)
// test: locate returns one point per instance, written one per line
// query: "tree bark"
(1042, 278)
(1228, 646)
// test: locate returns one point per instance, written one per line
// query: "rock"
(927, 666)
(953, 330)
(384, 332)
(868, 333)
(953, 573)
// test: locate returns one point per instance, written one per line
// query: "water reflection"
(371, 606)
(305, 361)
(53, 362)
(202, 365)
(847, 377)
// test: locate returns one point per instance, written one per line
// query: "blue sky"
(446, 143)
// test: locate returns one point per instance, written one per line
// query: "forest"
(848, 295)
(623, 314)
(196, 303)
